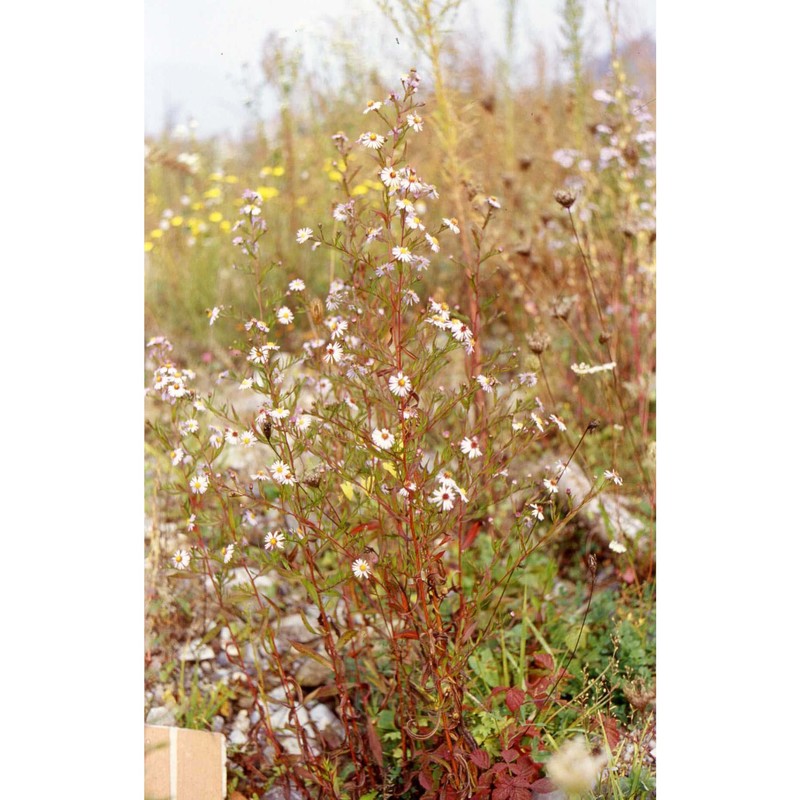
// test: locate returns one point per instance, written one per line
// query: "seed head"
(316, 310)
(604, 337)
(564, 197)
(538, 343)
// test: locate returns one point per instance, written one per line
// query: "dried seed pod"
(538, 343)
(561, 306)
(316, 311)
(564, 197)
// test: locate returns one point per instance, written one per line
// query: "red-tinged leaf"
(509, 755)
(611, 730)
(407, 635)
(544, 661)
(525, 768)
(480, 758)
(365, 526)
(307, 651)
(425, 780)
(374, 742)
(468, 631)
(471, 535)
(514, 699)
(629, 576)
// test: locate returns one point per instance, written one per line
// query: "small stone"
(217, 723)
(236, 737)
(242, 722)
(328, 724)
(292, 627)
(196, 651)
(160, 715)
(312, 673)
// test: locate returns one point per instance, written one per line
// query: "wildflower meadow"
(400, 428)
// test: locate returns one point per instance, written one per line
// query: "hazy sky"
(195, 49)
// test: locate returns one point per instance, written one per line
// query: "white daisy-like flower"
(279, 413)
(486, 383)
(537, 421)
(433, 242)
(415, 223)
(259, 475)
(188, 426)
(361, 568)
(404, 206)
(198, 483)
(213, 314)
(333, 352)
(258, 323)
(296, 285)
(181, 559)
(304, 234)
(373, 105)
(303, 422)
(250, 517)
(613, 475)
(517, 427)
(559, 422)
(274, 540)
(176, 456)
(227, 553)
(402, 254)
(415, 122)
(246, 384)
(469, 447)
(551, 485)
(410, 182)
(284, 315)
(372, 141)
(444, 497)
(460, 331)
(282, 473)
(617, 547)
(247, 438)
(451, 223)
(400, 385)
(382, 438)
(215, 440)
(231, 436)
(537, 511)
(390, 178)
(493, 202)
(446, 481)
(191, 523)
(336, 326)
(260, 355)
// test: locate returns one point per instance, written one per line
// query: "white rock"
(196, 651)
(160, 715)
(236, 737)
